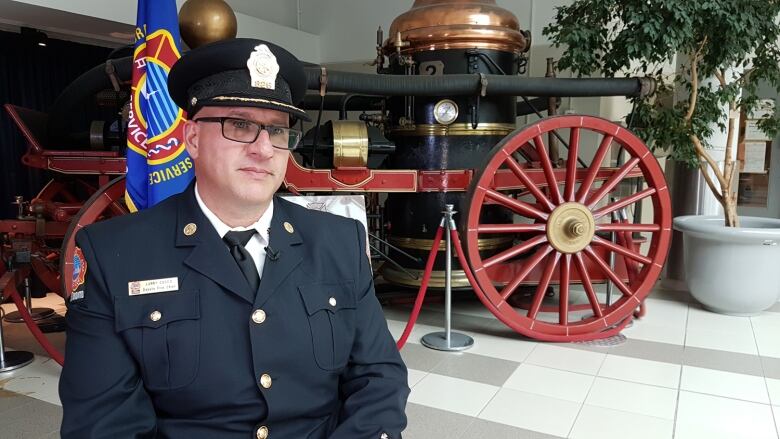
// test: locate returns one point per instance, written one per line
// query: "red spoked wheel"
(566, 223)
(105, 203)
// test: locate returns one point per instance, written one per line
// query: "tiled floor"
(682, 373)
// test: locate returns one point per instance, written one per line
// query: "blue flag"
(158, 165)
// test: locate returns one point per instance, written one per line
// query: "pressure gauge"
(445, 112)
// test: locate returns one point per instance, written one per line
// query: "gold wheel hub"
(570, 227)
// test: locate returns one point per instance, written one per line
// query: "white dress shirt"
(258, 242)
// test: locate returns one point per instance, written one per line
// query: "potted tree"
(723, 50)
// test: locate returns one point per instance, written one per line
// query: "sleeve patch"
(79, 274)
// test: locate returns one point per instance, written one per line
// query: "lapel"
(288, 246)
(210, 256)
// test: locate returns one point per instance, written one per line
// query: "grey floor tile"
(396, 313)
(484, 325)
(421, 358)
(34, 420)
(429, 423)
(479, 368)
(470, 323)
(674, 295)
(491, 430)
(11, 400)
(587, 347)
(771, 367)
(691, 356)
(721, 360)
(646, 350)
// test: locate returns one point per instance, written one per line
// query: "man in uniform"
(224, 312)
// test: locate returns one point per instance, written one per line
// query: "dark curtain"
(32, 76)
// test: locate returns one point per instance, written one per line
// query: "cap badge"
(263, 67)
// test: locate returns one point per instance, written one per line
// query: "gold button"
(262, 432)
(155, 316)
(266, 381)
(190, 229)
(332, 301)
(288, 227)
(258, 316)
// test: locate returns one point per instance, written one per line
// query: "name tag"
(152, 286)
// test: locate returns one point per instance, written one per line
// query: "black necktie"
(236, 241)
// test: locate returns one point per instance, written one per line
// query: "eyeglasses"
(247, 131)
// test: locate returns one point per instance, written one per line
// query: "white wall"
(283, 12)
(347, 28)
(305, 45)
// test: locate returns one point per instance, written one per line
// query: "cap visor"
(234, 101)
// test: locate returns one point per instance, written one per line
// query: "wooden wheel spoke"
(563, 302)
(511, 228)
(515, 251)
(625, 202)
(625, 241)
(544, 282)
(627, 227)
(529, 184)
(549, 174)
(625, 251)
(571, 164)
(609, 272)
(516, 206)
(528, 266)
(595, 165)
(588, 285)
(613, 181)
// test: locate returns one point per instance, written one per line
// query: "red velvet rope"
(423, 288)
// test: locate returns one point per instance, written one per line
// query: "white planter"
(732, 270)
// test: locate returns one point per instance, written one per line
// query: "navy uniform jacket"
(193, 363)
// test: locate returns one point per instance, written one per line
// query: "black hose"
(465, 84)
(338, 102)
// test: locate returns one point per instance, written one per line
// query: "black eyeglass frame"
(260, 128)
